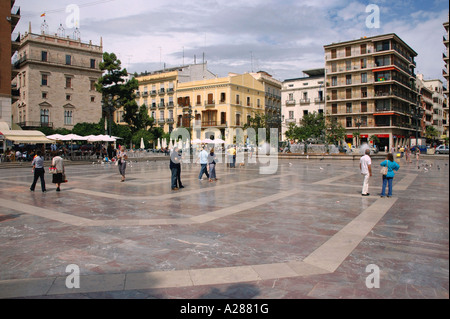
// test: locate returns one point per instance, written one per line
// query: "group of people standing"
(365, 165)
(208, 162)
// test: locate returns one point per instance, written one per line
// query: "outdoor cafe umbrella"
(159, 144)
(142, 143)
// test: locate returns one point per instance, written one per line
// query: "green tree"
(117, 92)
(335, 131)
(431, 133)
(311, 126)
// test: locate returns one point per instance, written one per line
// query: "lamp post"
(358, 124)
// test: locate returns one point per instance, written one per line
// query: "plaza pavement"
(303, 232)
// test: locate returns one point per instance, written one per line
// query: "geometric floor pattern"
(303, 232)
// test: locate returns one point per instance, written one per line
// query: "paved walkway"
(303, 232)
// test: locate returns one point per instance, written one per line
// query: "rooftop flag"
(43, 15)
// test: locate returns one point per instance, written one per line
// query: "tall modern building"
(445, 73)
(56, 75)
(302, 96)
(371, 90)
(9, 17)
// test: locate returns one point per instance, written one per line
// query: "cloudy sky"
(282, 37)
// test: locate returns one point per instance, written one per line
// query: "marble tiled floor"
(303, 232)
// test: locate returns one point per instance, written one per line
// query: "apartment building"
(272, 100)
(220, 103)
(158, 91)
(445, 73)
(371, 90)
(302, 96)
(56, 76)
(9, 18)
(433, 102)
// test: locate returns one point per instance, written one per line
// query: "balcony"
(153, 93)
(319, 100)
(170, 121)
(170, 105)
(161, 121)
(144, 94)
(305, 101)
(210, 103)
(290, 103)
(209, 123)
(170, 91)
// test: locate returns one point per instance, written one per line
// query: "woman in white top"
(58, 177)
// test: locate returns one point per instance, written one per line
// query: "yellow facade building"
(193, 96)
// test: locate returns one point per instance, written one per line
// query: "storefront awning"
(25, 137)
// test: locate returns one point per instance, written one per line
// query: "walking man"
(365, 166)
(203, 157)
(39, 171)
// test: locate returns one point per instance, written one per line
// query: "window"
(363, 77)
(222, 97)
(171, 115)
(334, 81)
(92, 98)
(45, 115)
(348, 121)
(44, 95)
(363, 107)
(223, 118)
(238, 119)
(237, 99)
(68, 82)
(67, 117)
(92, 85)
(92, 63)
(364, 121)
(68, 97)
(44, 79)
(334, 95)
(258, 102)
(333, 54)
(199, 100)
(161, 115)
(334, 109)
(363, 48)
(348, 65)
(363, 63)
(210, 98)
(44, 56)
(348, 93)
(348, 51)
(248, 101)
(68, 59)
(348, 79)
(348, 107)
(291, 115)
(305, 112)
(363, 92)
(333, 67)
(291, 96)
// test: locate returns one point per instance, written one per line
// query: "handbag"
(384, 170)
(52, 170)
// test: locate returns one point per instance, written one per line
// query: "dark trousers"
(179, 177)
(174, 171)
(203, 170)
(38, 173)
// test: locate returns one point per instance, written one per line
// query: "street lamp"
(358, 124)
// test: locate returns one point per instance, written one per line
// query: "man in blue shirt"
(203, 157)
(39, 171)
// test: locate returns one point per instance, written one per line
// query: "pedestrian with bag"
(58, 171)
(39, 171)
(389, 166)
